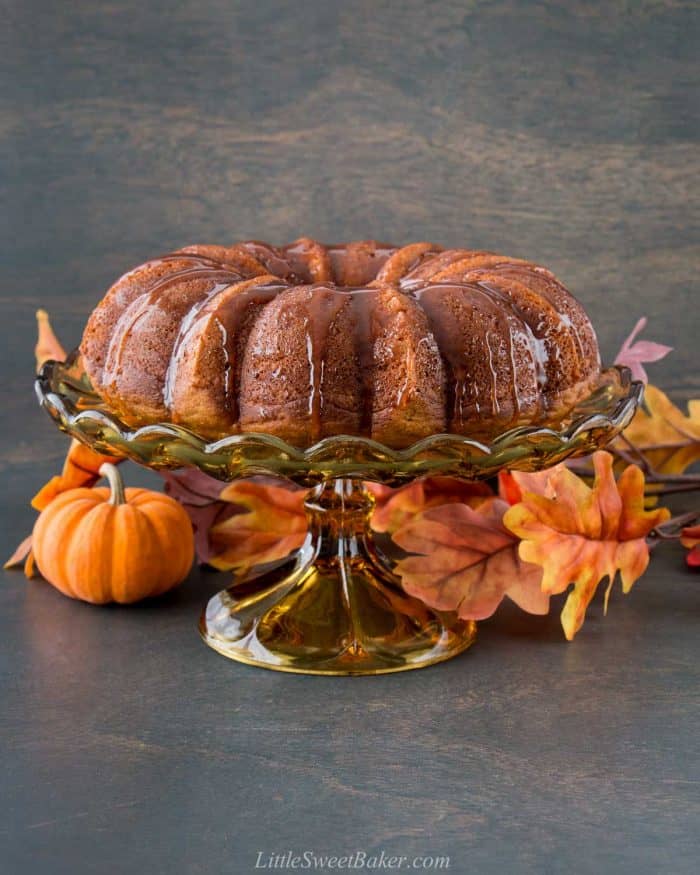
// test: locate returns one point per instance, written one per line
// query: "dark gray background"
(564, 132)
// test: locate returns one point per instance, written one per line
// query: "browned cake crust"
(307, 341)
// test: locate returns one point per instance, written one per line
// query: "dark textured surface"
(564, 132)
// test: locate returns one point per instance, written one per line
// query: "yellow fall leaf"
(669, 439)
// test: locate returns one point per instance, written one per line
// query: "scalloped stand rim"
(62, 389)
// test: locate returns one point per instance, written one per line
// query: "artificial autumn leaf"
(80, 468)
(669, 440)
(690, 538)
(468, 561)
(581, 534)
(47, 345)
(23, 556)
(396, 506)
(199, 495)
(30, 568)
(273, 527)
(513, 484)
(508, 488)
(636, 355)
(82, 465)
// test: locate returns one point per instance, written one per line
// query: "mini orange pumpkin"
(113, 545)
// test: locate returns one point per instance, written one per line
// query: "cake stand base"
(338, 609)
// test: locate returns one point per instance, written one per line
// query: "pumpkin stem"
(116, 484)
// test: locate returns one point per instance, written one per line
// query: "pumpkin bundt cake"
(307, 341)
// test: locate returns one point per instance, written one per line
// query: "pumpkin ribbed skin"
(99, 552)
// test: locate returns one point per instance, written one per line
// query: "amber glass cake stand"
(335, 607)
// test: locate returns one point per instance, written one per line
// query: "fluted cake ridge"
(307, 340)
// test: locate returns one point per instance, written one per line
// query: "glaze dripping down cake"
(306, 341)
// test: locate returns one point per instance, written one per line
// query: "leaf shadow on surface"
(509, 622)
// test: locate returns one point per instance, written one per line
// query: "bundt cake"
(306, 341)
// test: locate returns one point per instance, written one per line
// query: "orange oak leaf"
(80, 468)
(690, 538)
(468, 561)
(508, 488)
(396, 506)
(48, 345)
(272, 528)
(513, 484)
(669, 440)
(581, 534)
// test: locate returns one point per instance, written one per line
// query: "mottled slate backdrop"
(566, 132)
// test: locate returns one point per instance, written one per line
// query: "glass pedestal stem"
(339, 609)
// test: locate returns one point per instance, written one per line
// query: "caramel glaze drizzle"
(363, 304)
(310, 259)
(547, 286)
(219, 275)
(228, 316)
(252, 293)
(196, 260)
(229, 322)
(535, 280)
(322, 307)
(123, 294)
(460, 388)
(273, 260)
(186, 326)
(325, 302)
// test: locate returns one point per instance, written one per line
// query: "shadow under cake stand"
(335, 607)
